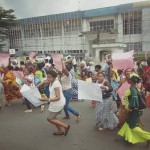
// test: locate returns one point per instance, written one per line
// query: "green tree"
(7, 19)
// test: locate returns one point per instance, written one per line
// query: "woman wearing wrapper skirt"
(131, 129)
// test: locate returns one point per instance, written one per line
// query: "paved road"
(21, 131)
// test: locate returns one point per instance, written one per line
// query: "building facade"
(90, 33)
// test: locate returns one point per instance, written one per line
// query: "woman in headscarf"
(131, 130)
(121, 111)
(11, 88)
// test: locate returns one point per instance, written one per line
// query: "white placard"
(12, 51)
(89, 91)
(32, 95)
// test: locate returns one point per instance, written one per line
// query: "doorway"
(102, 55)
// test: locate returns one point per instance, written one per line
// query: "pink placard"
(32, 55)
(125, 55)
(4, 59)
(57, 61)
(121, 91)
(123, 60)
(123, 63)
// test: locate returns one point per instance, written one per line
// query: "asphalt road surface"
(31, 131)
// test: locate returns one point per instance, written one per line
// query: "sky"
(32, 8)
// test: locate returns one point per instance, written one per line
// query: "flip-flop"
(66, 130)
(57, 133)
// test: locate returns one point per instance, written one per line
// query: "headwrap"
(135, 78)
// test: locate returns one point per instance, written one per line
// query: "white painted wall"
(146, 29)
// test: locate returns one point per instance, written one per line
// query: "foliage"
(95, 41)
(7, 19)
(141, 56)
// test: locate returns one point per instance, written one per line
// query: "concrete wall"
(146, 29)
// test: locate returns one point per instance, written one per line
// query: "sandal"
(101, 129)
(42, 108)
(66, 130)
(147, 145)
(78, 118)
(58, 133)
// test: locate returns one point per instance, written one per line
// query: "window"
(103, 25)
(72, 25)
(136, 46)
(132, 22)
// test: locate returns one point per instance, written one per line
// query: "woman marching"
(105, 118)
(67, 91)
(131, 130)
(57, 102)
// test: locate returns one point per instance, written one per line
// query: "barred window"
(104, 25)
(132, 22)
(136, 46)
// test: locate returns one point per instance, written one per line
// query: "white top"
(66, 82)
(48, 57)
(74, 62)
(47, 65)
(57, 105)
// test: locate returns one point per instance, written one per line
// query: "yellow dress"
(136, 134)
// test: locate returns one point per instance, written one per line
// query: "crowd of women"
(130, 109)
(59, 87)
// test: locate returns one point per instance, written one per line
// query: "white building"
(92, 33)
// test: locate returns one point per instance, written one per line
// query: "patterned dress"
(11, 88)
(74, 84)
(104, 116)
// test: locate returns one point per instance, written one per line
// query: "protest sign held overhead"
(4, 59)
(57, 61)
(123, 60)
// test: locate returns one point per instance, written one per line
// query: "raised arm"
(64, 69)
